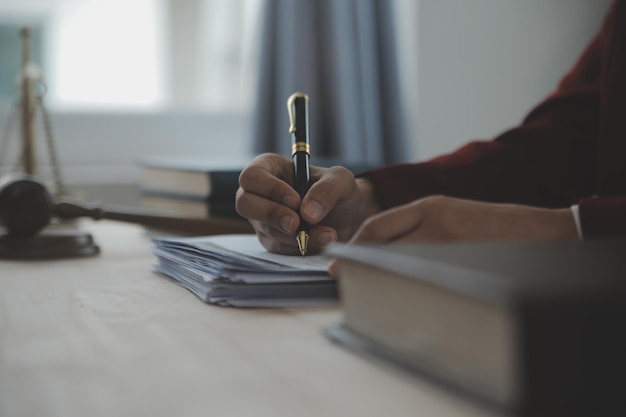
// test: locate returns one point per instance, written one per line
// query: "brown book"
(532, 328)
(189, 177)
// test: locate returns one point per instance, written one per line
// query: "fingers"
(333, 268)
(267, 212)
(390, 225)
(321, 236)
(333, 185)
(277, 242)
(270, 176)
(267, 198)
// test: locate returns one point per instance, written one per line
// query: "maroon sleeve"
(603, 216)
(546, 161)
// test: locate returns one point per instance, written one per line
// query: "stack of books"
(190, 187)
(200, 187)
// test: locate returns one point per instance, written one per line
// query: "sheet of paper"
(249, 245)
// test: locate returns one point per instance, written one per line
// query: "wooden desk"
(106, 337)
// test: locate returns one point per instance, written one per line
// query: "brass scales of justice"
(27, 207)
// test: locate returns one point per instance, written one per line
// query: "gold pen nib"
(303, 241)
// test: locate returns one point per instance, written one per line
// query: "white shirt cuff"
(576, 214)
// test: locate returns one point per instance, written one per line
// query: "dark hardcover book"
(199, 177)
(207, 207)
(532, 328)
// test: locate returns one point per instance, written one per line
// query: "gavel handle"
(193, 226)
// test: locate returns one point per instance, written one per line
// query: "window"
(145, 54)
(106, 53)
(130, 78)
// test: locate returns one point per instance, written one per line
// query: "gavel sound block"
(26, 208)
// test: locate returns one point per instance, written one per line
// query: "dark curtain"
(342, 53)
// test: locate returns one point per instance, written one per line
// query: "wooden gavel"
(26, 207)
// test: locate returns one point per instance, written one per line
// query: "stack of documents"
(235, 270)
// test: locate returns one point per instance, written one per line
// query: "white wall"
(482, 64)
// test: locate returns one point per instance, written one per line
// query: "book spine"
(222, 207)
(191, 206)
(223, 183)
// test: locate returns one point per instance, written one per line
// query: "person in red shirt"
(561, 174)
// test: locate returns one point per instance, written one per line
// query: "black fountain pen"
(298, 107)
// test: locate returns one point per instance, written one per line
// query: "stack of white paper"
(235, 270)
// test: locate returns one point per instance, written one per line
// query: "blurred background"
(131, 78)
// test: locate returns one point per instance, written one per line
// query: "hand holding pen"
(298, 108)
(279, 207)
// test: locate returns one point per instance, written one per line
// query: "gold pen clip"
(292, 111)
